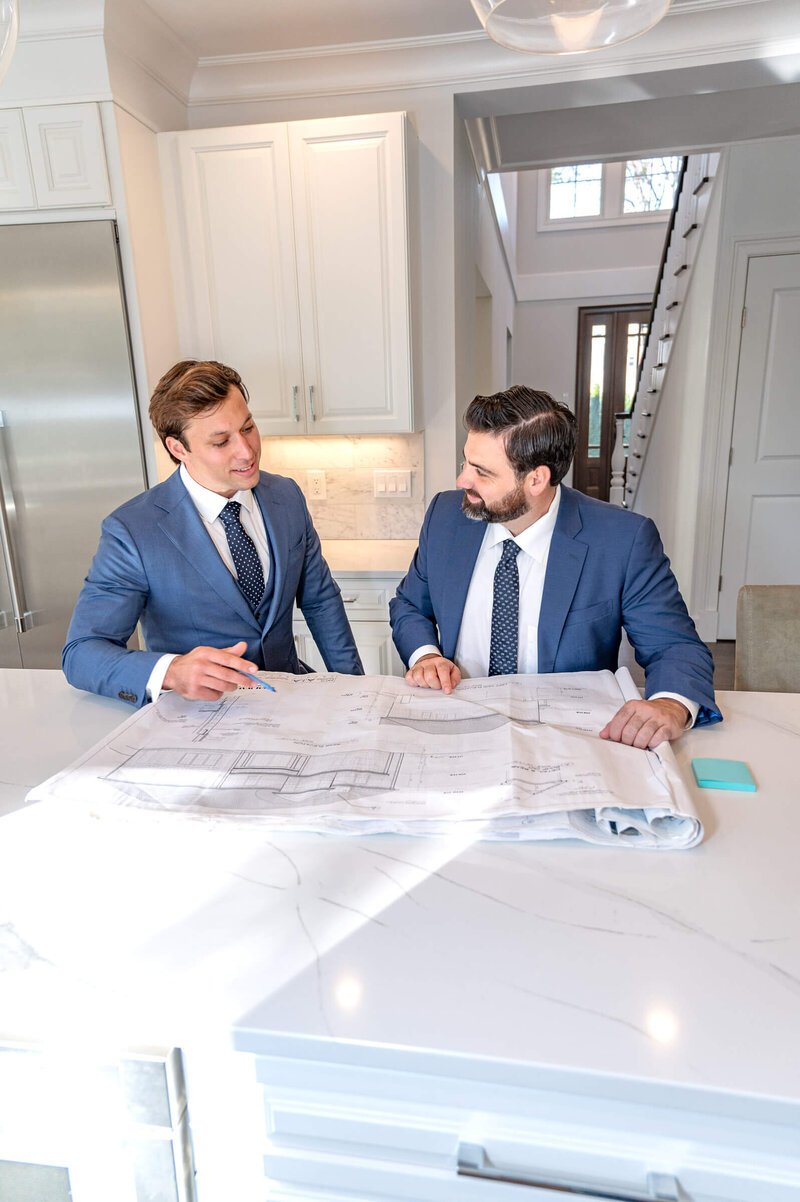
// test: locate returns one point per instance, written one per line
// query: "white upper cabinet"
(16, 183)
(51, 157)
(290, 254)
(232, 246)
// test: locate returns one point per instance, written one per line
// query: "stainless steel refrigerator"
(70, 440)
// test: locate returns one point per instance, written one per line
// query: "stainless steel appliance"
(70, 441)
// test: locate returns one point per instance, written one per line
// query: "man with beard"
(518, 573)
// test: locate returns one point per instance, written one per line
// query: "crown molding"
(695, 33)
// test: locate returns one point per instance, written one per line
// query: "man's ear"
(538, 480)
(175, 447)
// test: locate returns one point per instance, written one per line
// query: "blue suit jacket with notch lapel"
(157, 564)
(606, 569)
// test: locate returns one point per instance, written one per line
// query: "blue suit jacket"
(156, 564)
(606, 569)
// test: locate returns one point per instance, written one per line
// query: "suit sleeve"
(109, 606)
(661, 631)
(411, 611)
(320, 599)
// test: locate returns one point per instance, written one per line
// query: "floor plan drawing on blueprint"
(517, 756)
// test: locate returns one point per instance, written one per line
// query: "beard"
(510, 507)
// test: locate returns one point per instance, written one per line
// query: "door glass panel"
(596, 373)
(637, 333)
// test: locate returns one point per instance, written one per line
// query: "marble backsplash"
(351, 510)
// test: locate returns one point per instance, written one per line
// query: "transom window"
(591, 194)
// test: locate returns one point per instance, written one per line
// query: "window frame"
(612, 196)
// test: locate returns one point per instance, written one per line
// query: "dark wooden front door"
(610, 345)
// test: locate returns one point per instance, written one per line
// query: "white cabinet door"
(373, 640)
(67, 155)
(230, 221)
(289, 249)
(351, 234)
(16, 184)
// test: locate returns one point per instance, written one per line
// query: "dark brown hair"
(537, 430)
(191, 387)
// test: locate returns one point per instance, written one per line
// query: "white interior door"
(762, 519)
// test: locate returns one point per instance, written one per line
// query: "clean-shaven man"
(518, 573)
(210, 562)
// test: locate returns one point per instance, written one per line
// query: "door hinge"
(719, 586)
(744, 316)
(730, 457)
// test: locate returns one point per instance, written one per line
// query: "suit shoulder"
(603, 513)
(446, 504)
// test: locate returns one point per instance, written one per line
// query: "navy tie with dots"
(505, 612)
(249, 571)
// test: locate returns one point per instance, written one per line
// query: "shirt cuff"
(428, 649)
(155, 681)
(692, 706)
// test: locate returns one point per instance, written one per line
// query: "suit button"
(127, 696)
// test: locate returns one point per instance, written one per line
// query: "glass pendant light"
(8, 34)
(566, 26)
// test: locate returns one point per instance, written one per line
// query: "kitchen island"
(552, 1013)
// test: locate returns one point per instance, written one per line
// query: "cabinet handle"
(349, 600)
(294, 404)
(472, 1161)
(311, 402)
(23, 618)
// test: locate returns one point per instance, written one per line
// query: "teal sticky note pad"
(723, 774)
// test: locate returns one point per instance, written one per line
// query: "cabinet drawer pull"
(311, 402)
(349, 600)
(472, 1161)
(294, 403)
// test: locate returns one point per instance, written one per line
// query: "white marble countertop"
(367, 556)
(669, 967)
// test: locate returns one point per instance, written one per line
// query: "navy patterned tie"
(505, 613)
(249, 571)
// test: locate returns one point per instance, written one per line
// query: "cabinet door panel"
(349, 189)
(240, 290)
(67, 155)
(16, 185)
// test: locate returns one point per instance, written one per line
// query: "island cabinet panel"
(458, 1132)
(290, 251)
(366, 603)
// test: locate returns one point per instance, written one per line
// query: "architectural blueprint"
(517, 757)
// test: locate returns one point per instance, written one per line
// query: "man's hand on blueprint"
(647, 723)
(434, 672)
(206, 673)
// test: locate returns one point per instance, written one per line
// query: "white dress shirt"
(474, 636)
(210, 505)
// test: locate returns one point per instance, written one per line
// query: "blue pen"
(262, 684)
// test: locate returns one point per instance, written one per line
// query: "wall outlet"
(388, 485)
(317, 489)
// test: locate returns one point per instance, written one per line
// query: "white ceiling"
(213, 27)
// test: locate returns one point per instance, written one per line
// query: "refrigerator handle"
(23, 618)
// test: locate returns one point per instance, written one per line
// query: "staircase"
(680, 249)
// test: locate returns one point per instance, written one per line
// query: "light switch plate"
(388, 485)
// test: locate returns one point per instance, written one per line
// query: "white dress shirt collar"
(210, 504)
